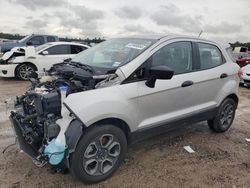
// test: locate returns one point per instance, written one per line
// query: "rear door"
(211, 75)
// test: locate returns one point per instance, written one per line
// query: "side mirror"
(159, 72)
(29, 43)
(45, 52)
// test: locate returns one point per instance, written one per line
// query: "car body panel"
(113, 102)
(10, 68)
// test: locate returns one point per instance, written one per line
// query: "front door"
(169, 99)
(55, 54)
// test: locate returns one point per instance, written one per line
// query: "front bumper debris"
(27, 148)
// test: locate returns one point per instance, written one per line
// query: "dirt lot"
(220, 160)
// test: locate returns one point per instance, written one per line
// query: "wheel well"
(28, 63)
(117, 122)
(234, 97)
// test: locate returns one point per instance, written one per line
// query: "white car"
(122, 90)
(245, 75)
(20, 62)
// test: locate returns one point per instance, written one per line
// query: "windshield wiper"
(81, 65)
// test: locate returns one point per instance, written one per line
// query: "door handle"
(223, 75)
(187, 83)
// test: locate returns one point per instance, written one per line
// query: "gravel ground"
(220, 160)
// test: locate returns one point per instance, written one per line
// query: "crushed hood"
(19, 51)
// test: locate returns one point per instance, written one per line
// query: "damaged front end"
(41, 120)
(8, 57)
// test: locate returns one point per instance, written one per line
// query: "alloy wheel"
(101, 155)
(226, 117)
(25, 71)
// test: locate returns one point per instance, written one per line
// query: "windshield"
(38, 48)
(113, 53)
(24, 39)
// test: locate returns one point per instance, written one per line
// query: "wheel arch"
(117, 122)
(234, 97)
(78, 129)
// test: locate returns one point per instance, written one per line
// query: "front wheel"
(99, 153)
(225, 116)
(24, 71)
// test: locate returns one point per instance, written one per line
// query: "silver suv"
(84, 112)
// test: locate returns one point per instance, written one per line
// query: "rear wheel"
(225, 116)
(24, 71)
(99, 153)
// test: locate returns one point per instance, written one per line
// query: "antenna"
(200, 33)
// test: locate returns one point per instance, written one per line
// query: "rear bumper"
(29, 149)
(7, 70)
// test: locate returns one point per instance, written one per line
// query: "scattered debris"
(189, 149)
(247, 139)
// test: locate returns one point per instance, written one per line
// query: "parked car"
(241, 49)
(243, 59)
(21, 62)
(30, 40)
(245, 75)
(121, 91)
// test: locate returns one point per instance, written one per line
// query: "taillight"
(240, 73)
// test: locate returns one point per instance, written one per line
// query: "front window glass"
(113, 53)
(38, 48)
(177, 56)
(37, 40)
(59, 50)
(24, 39)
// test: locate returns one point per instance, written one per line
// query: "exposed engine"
(40, 107)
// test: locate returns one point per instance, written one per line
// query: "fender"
(117, 101)
(231, 87)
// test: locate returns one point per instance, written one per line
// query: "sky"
(226, 20)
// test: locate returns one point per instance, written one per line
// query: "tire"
(224, 117)
(23, 71)
(99, 153)
(242, 84)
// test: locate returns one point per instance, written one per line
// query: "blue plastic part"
(55, 152)
(63, 88)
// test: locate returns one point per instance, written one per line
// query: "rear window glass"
(210, 56)
(51, 39)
